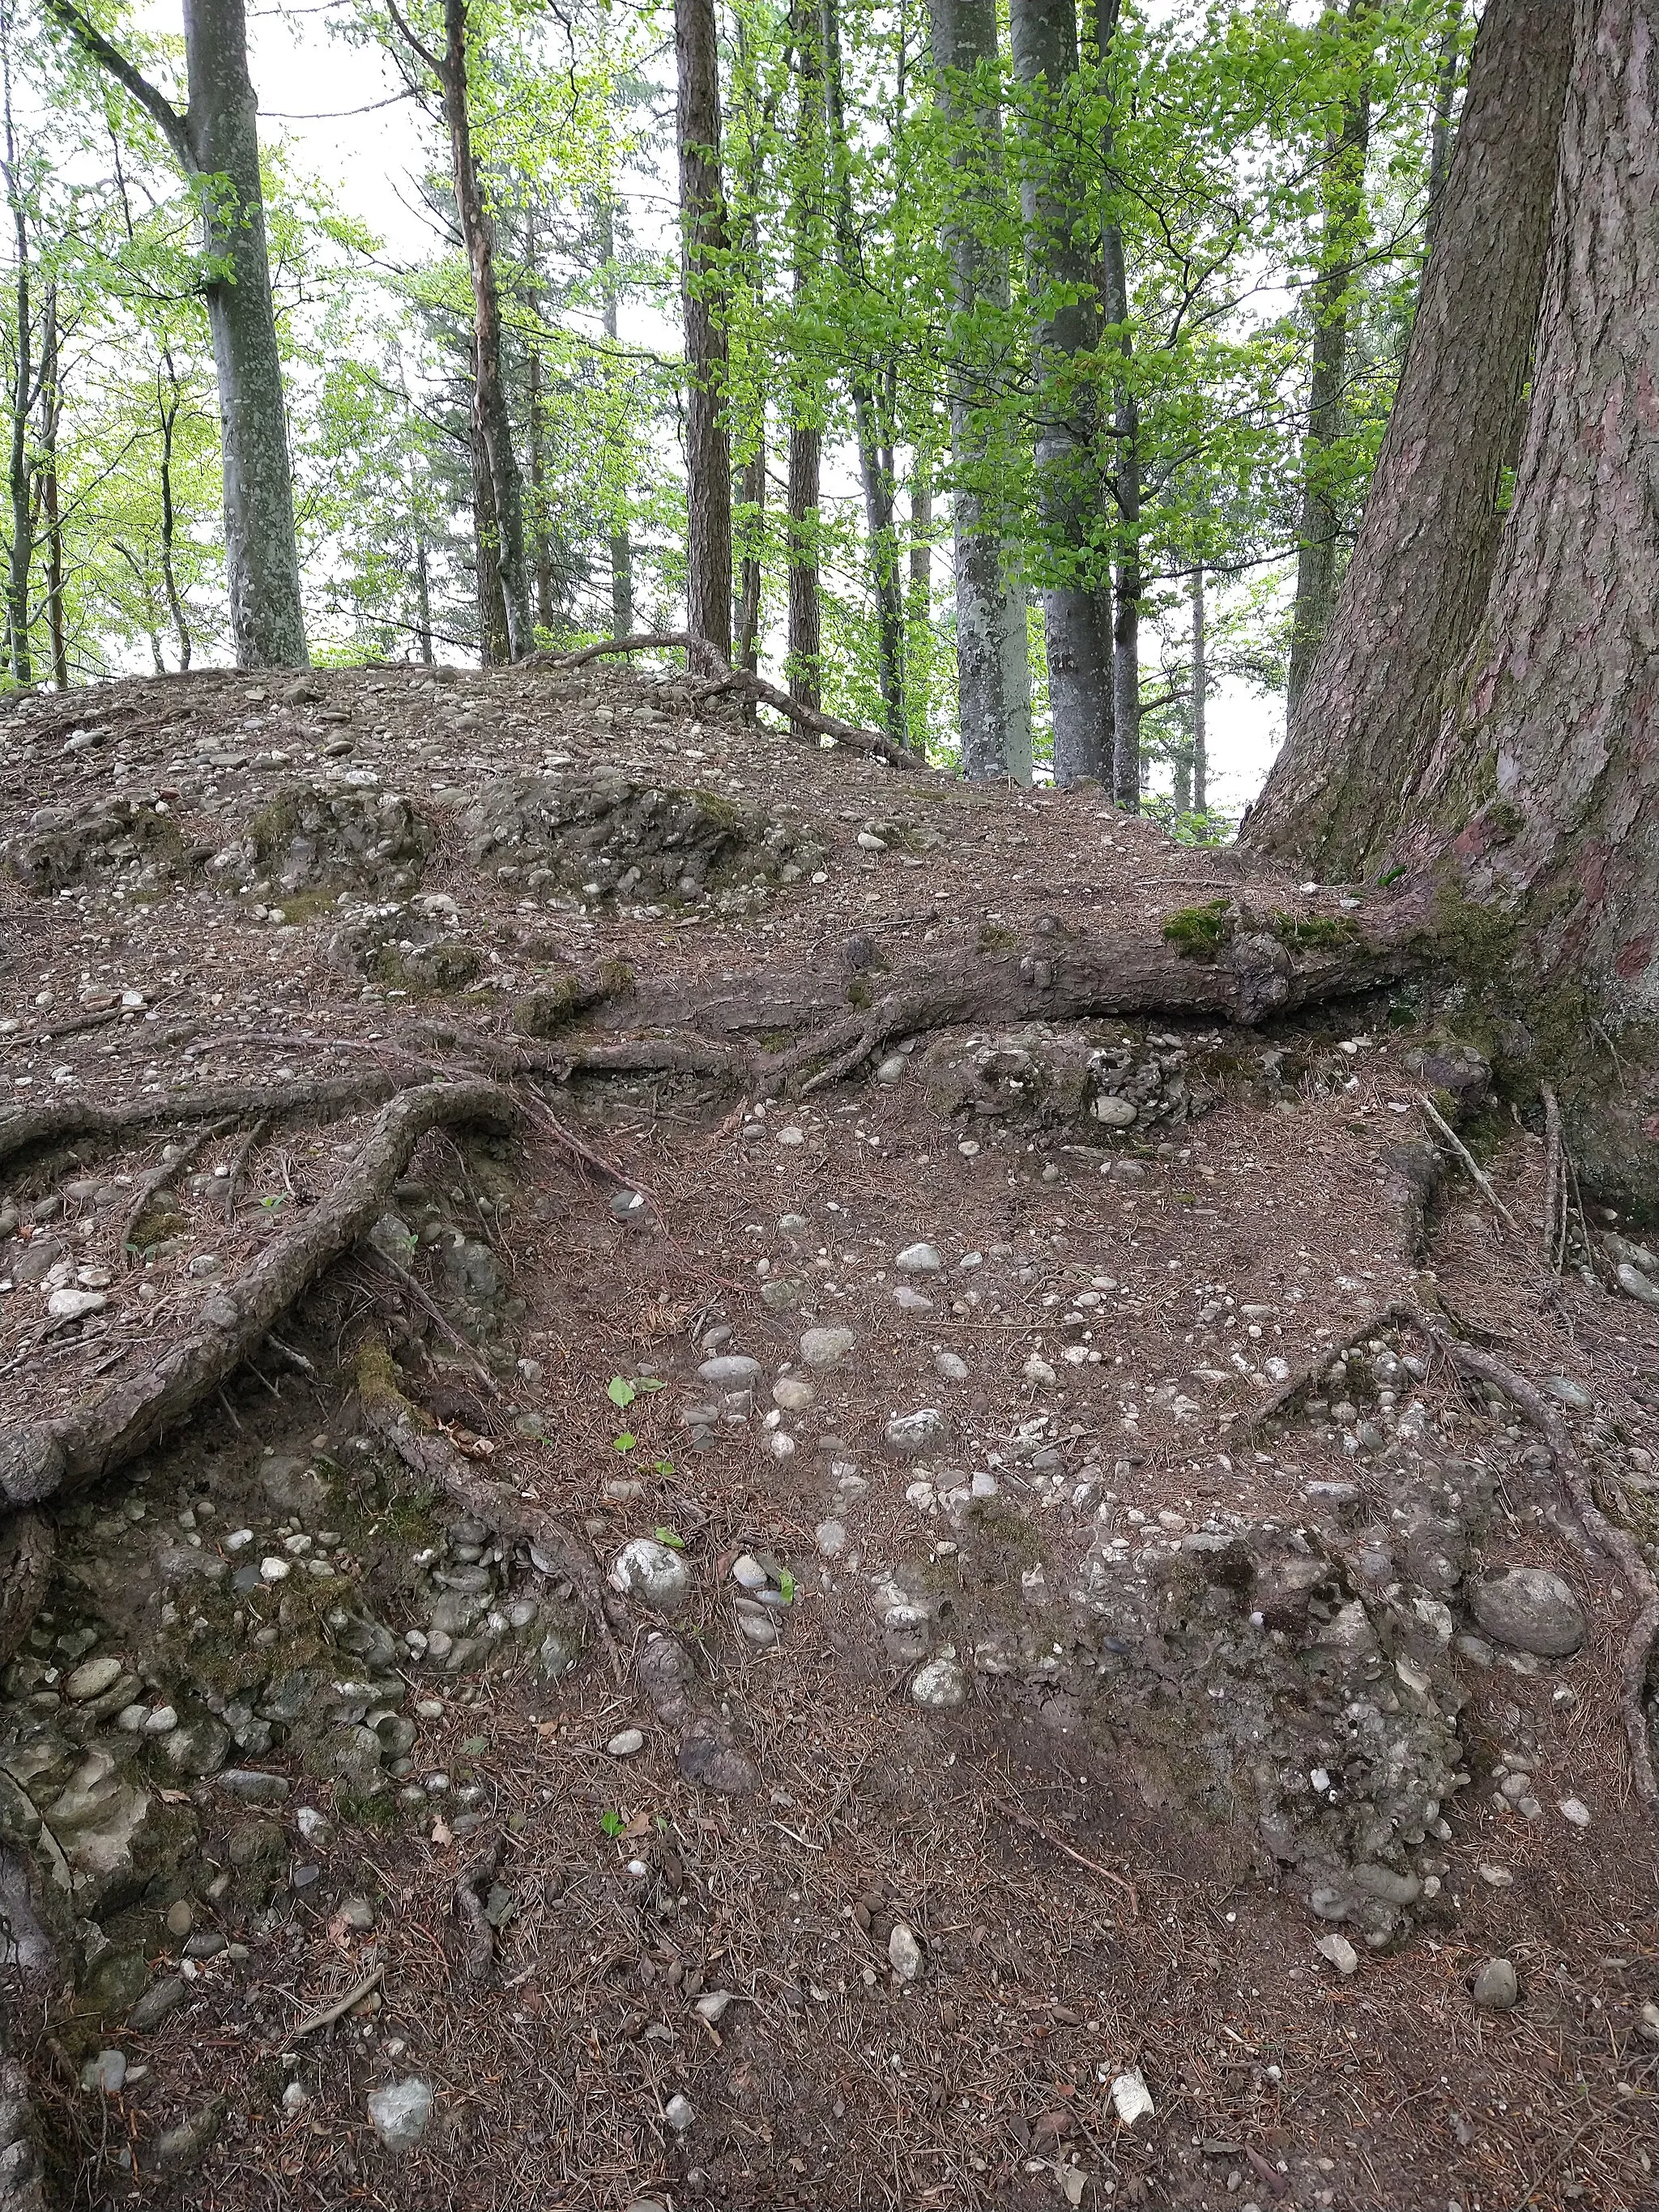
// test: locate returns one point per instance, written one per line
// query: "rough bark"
(702, 216)
(493, 428)
(1045, 49)
(1342, 195)
(622, 548)
(804, 636)
(990, 629)
(1440, 130)
(1414, 593)
(1127, 583)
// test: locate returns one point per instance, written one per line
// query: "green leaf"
(650, 1382)
(670, 1537)
(624, 1442)
(662, 1466)
(612, 1823)
(621, 1391)
(786, 1585)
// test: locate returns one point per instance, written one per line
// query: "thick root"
(103, 1432)
(28, 1129)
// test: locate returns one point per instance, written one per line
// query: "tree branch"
(91, 40)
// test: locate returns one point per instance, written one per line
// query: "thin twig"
(1024, 1820)
(1482, 1180)
(341, 2006)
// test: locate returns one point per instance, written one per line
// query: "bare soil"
(1078, 1916)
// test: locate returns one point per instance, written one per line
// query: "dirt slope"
(918, 1551)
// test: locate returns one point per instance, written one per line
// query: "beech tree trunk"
(1415, 589)
(20, 558)
(992, 671)
(493, 442)
(702, 217)
(1199, 787)
(1052, 202)
(215, 143)
(1342, 194)
(1127, 583)
(805, 642)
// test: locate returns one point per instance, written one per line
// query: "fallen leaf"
(442, 1833)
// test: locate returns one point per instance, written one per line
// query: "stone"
(891, 1070)
(910, 1435)
(1530, 1609)
(159, 2000)
(905, 1953)
(198, 1748)
(1132, 2100)
(1341, 1953)
(75, 1305)
(401, 2112)
(254, 1787)
(1495, 1877)
(181, 1917)
(911, 1301)
(713, 2006)
(826, 1347)
(1566, 1391)
(831, 1538)
(749, 1572)
(940, 1686)
(651, 1572)
(92, 1678)
(790, 1135)
(161, 1722)
(919, 1260)
(679, 2112)
(793, 1393)
(1496, 1987)
(183, 2146)
(105, 2072)
(626, 1743)
(357, 1913)
(1037, 1369)
(1574, 1809)
(730, 1371)
(630, 1208)
(257, 1843)
(1115, 1113)
(951, 1366)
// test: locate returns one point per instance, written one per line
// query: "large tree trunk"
(215, 143)
(1127, 582)
(1415, 592)
(493, 443)
(702, 216)
(804, 641)
(1342, 194)
(990, 611)
(1052, 195)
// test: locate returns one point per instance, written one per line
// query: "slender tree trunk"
(993, 674)
(1414, 596)
(18, 469)
(537, 521)
(1440, 132)
(875, 467)
(921, 540)
(495, 635)
(167, 405)
(702, 216)
(493, 429)
(215, 143)
(752, 491)
(805, 631)
(1067, 481)
(1127, 583)
(51, 416)
(423, 598)
(622, 549)
(1342, 193)
(1201, 760)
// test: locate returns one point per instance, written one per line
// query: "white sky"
(309, 84)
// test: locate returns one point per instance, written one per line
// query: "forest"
(808, 1403)
(1021, 379)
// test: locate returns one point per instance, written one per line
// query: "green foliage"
(1199, 932)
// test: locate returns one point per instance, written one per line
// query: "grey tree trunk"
(215, 143)
(1414, 593)
(1342, 192)
(993, 668)
(51, 521)
(875, 463)
(1127, 583)
(622, 548)
(804, 641)
(1199, 772)
(21, 560)
(703, 224)
(494, 439)
(1060, 274)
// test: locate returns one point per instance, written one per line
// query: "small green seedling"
(622, 1393)
(786, 1587)
(671, 1537)
(612, 1823)
(624, 1442)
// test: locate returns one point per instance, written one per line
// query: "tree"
(1418, 585)
(1342, 196)
(992, 676)
(216, 143)
(1054, 201)
(704, 244)
(503, 570)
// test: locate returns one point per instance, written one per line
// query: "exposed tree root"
(470, 1903)
(163, 1178)
(722, 677)
(27, 1546)
(108, 1428)
(427, 1453)
(26, 1129)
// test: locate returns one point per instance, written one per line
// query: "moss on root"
(1199, 932)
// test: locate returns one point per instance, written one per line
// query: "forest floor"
(1078, 1564)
